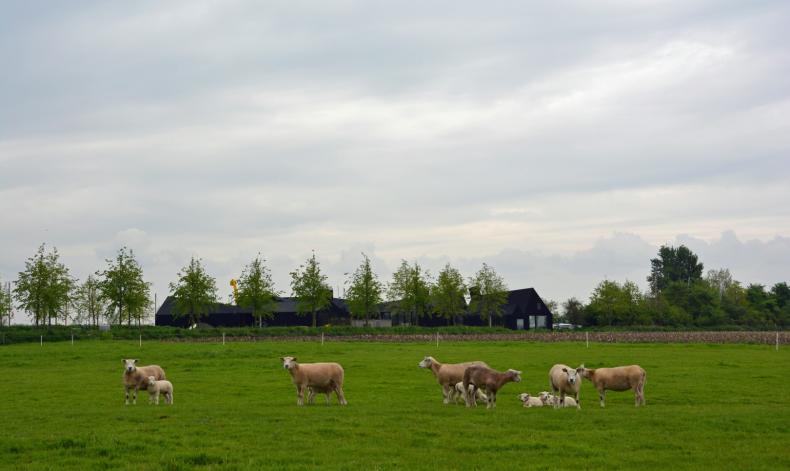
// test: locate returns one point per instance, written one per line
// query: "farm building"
(524, 310)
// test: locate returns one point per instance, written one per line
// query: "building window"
(541, 321)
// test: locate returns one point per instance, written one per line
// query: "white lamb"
(530, 401)
(457, 394)
(548, 399)
(155, 388)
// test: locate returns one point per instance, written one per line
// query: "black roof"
(283, 305)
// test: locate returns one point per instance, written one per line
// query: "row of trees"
(46, 290)
(118, 294)
(679, 295)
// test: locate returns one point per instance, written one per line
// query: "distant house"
(228, 315)
(524, 310)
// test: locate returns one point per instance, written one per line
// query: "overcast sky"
(561, 142)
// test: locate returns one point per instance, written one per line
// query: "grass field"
(712, 406)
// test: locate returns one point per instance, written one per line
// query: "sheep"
(530, 401)
(620, 378)
(316, 377)
(155, 388)
(458, 393)
(448, 374)
(477, 377)
(550, 399)
(565, 380)
(136, 377)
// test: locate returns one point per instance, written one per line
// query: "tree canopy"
(488, 293)
(673, 265)
(310, 288)
(256, 290)
(89, 304)
(195, 292)
(44, 288)
(448, 294)
(364, 292)
(409, 291)
(125, 294)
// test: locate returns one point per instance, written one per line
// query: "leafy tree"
(673, 264)
(720, 279)
(5, 304)
(364, 295)
(699, 300)
(88, 302)
(615, 304)
(781, 294)
(45, 287)
(122, 288)
(310, 288)
(488, 292)
(195, 292)
(574, 311)
(409, 291)
(256, 290)
(447, 294)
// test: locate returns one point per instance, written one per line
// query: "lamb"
(155, 388)
(448, 374)
(621, 378)
(477, 377)
(136, 377)
(316, 377)
(530, 401)
(551, 400)
(458, 393)
(565, 380)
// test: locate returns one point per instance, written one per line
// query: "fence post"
(322, 338)
(141, 340)
(437, 339)
(777, 340)
(587, 337)
(223, 338)
(41, 341)
(72, 340)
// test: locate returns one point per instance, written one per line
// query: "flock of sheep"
(472, 382)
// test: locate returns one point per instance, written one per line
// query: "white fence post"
(322, 338)
(777, 340)
(41, 341)
(587, 337)
(72, 340)
(223, 338)
(141, 340)
(437, 339)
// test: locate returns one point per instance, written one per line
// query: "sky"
(560, 142)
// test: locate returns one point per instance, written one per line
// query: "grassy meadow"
(714, 406)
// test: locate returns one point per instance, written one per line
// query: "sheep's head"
(426, 362)
(151, 381)
(516, 375)
(585, 372)
(545, 397)
(129, 365)
(573, 375)
(523, 397)
(289, 363)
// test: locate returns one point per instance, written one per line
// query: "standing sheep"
(155, 388)
(136, 377)
(448, 374)
(565, 380)
(620, 378)
(316, 377)
(477, 377)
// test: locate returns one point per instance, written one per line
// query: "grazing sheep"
(458, 393)
(621, 378)
(316, 377)
(136, 377)
(530, 401)
(483, 377)
(565, 380)
(448, 374)
(155, 388)
(551, 400)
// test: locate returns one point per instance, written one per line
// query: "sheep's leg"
(310, 396)
(299, 395)
(578, 402)
(327, 396)
(170, 398)
(126, 389)
(602, 395)
(491, 399)
(134, 395)
(340, 396)
(562, 399)
(156, 398)
(446, 393)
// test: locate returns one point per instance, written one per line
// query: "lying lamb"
(136, 377)
(621, 378)
(155, 388)
(315, 377)
(548, 399)
(530, 401)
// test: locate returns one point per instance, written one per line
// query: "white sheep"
(565, 380)
(548, 399)
(315, 377)
(530, 401)
(621, 378)
(448, 374)
(157, 387)
(136, 377)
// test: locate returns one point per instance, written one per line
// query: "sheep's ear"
(135, 361)
(282, 358)
(293, 359)
(565, 370)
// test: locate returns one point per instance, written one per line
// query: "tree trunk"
(314, 319)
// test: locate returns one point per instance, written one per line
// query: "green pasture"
(708, 406)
